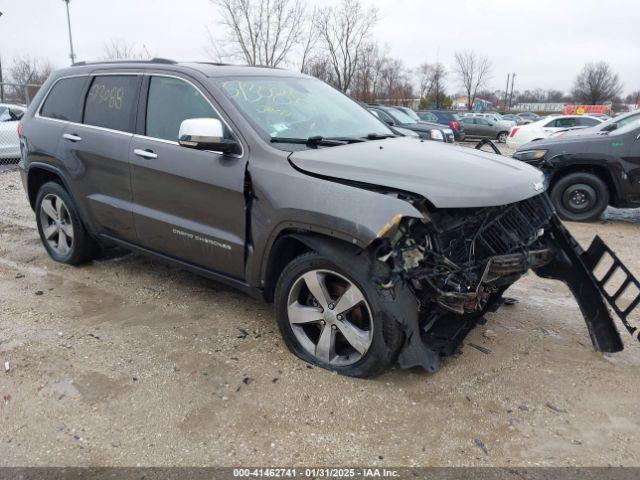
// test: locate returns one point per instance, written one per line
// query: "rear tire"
(378, 335)
(502, 137)
(580, 197)
(61, 231)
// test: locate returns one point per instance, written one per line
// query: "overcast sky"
(545, 42)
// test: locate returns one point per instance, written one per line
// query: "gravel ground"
(126, 361)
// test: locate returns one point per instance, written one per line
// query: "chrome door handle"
(71, 137)
(148, 154)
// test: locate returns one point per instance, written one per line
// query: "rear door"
(189, 204)
(97, 152)
(470, 126)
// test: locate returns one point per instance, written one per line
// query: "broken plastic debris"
(7, 366)
(391, 226)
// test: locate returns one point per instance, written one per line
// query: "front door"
(188, 204)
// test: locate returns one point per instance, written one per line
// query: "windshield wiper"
(311, 141)
(379, 136)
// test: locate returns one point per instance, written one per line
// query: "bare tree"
(27, 74)
(367, 82)
(633, 98)
(432, 79)
(119, 49)
(263, 31)
(344, 30)
(473, 72)
(596, 84)
(319, 66)
(310, 37)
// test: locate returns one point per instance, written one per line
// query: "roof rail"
(109, 62)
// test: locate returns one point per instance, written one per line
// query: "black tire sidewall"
(82, 246)
(387, 332)
(506, 135)
(595, 182)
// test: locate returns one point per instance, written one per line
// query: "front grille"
(516, 227)
(497, 231)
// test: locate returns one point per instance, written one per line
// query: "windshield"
(627, 128)
(299, 108)
(400, 117)
(412, 114)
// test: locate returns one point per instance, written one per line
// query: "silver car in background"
(10, 115)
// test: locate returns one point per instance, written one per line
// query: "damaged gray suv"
(375, 248)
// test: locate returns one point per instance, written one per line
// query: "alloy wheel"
(330, 317)
(57, 227)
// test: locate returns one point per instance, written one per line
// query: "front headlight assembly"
(436, 135)
(530, 155)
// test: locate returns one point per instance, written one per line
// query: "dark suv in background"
(443, 117)
(373, 247)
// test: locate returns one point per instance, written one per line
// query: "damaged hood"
(448, 176)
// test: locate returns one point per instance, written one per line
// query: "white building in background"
(539, 107)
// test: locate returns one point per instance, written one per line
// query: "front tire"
(333, 317)
(580, 197)
(61, 230)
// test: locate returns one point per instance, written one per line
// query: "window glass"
(566, 122)
(428, 116)
(631, 118)
(111, 102)
(171, 101)
(482, 121)
(628, 127)
(5, 115)
(384, 117)
(64, 101)
(588, 122)
(299, 108)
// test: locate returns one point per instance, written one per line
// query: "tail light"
(20, 127)
(454, 125)
(513, 131)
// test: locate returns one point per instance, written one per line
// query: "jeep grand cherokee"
(374, 247)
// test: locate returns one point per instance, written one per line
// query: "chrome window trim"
(133, 134)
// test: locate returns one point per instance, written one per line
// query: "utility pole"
(1, 79)
(506, 92)
(71, 54)
(513, 79)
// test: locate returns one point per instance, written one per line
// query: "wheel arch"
(291, 243)
(599, 171)
(38, 175)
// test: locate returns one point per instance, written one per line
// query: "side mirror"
(389, 122)
(610, 128)
(491, 124)
(205, 134)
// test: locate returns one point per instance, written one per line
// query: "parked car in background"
(480, 127)
(518, 136)
(10, 115)
(496, 118)
(586, 173)
(528, 117)
(444, 117)
(398, 119)
(606, 126)
(513, 118)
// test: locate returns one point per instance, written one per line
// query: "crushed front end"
(459, 262)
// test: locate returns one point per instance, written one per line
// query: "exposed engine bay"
(458, 263)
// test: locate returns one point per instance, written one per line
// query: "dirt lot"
(129, 362)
